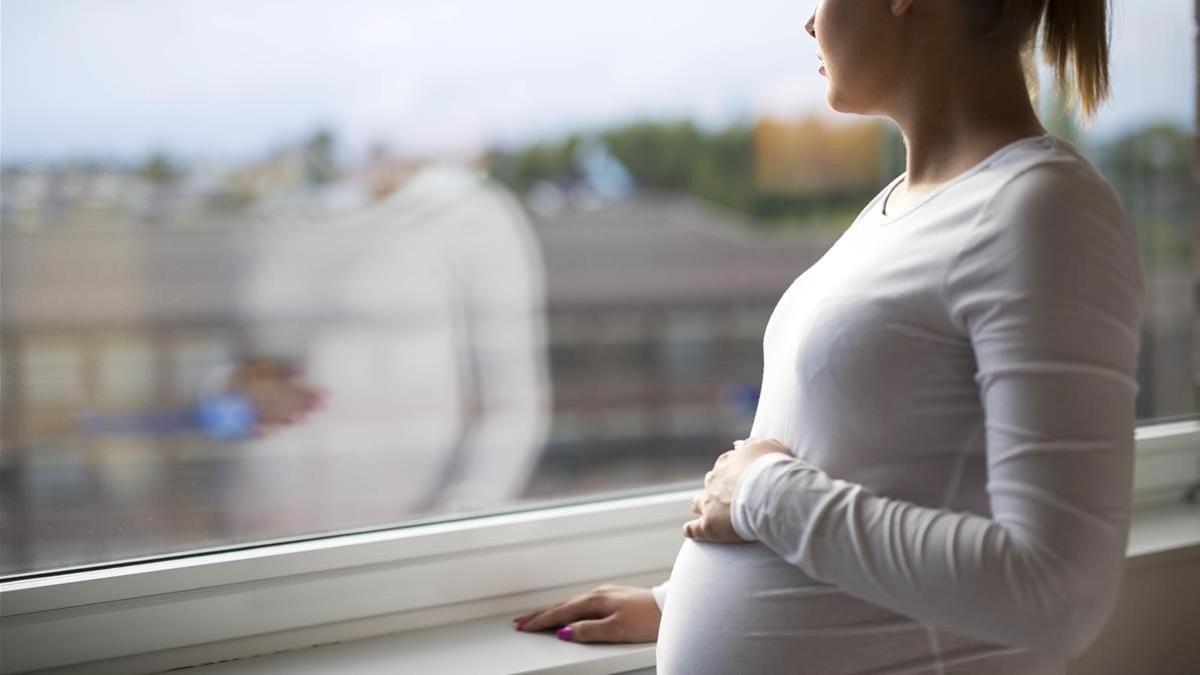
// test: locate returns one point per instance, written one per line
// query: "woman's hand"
(713, 505)
(280, 395)
(607, 613)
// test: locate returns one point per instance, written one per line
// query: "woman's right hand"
(607, 613)
(278, 392)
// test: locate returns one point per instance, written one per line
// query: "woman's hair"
(1075, 42)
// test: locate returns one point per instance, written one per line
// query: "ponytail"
(1077, 35)
(1075, 43)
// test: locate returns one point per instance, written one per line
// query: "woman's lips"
(821, 70)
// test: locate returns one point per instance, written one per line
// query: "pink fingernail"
(565, 633)
(521, 624)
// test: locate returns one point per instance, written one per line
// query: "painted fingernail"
(521, 624)
(565, 633)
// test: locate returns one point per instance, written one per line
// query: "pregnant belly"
(740, 608)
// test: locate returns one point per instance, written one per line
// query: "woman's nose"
(809, 27)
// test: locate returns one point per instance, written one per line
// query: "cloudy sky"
(229, 79)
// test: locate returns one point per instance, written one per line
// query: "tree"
(320, 166)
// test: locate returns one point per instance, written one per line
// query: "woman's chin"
(839, 103)
(836, 103)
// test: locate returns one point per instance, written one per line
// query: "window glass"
(126, 370)
(281, 270)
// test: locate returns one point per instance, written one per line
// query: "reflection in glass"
(316, 290)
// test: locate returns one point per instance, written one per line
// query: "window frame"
(342, 587)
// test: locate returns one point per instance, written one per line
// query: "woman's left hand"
(713, 504)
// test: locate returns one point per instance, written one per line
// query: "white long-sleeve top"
(957, 384)
(422, 319)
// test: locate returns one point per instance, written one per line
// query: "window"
(126, 370)
(231, 223)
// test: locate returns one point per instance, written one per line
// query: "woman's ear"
(900, 6)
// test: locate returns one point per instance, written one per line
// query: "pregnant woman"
(939, 472)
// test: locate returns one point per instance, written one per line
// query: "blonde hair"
(1075, 37)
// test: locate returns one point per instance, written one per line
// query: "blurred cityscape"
(665, 248)
(564, 316)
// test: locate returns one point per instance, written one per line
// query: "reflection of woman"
(940, 472)
(419, 321)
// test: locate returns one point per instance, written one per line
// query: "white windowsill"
(440, 593)
(481, 646)
(490, 645)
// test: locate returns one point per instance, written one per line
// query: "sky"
(231, 79)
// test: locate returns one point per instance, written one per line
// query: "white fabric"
(957, 383)
(422, 319)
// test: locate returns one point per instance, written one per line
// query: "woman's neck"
(954, 116)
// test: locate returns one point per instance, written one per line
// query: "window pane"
(275, 271)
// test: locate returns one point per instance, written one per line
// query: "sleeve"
(1048, 287)
(500, 273)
